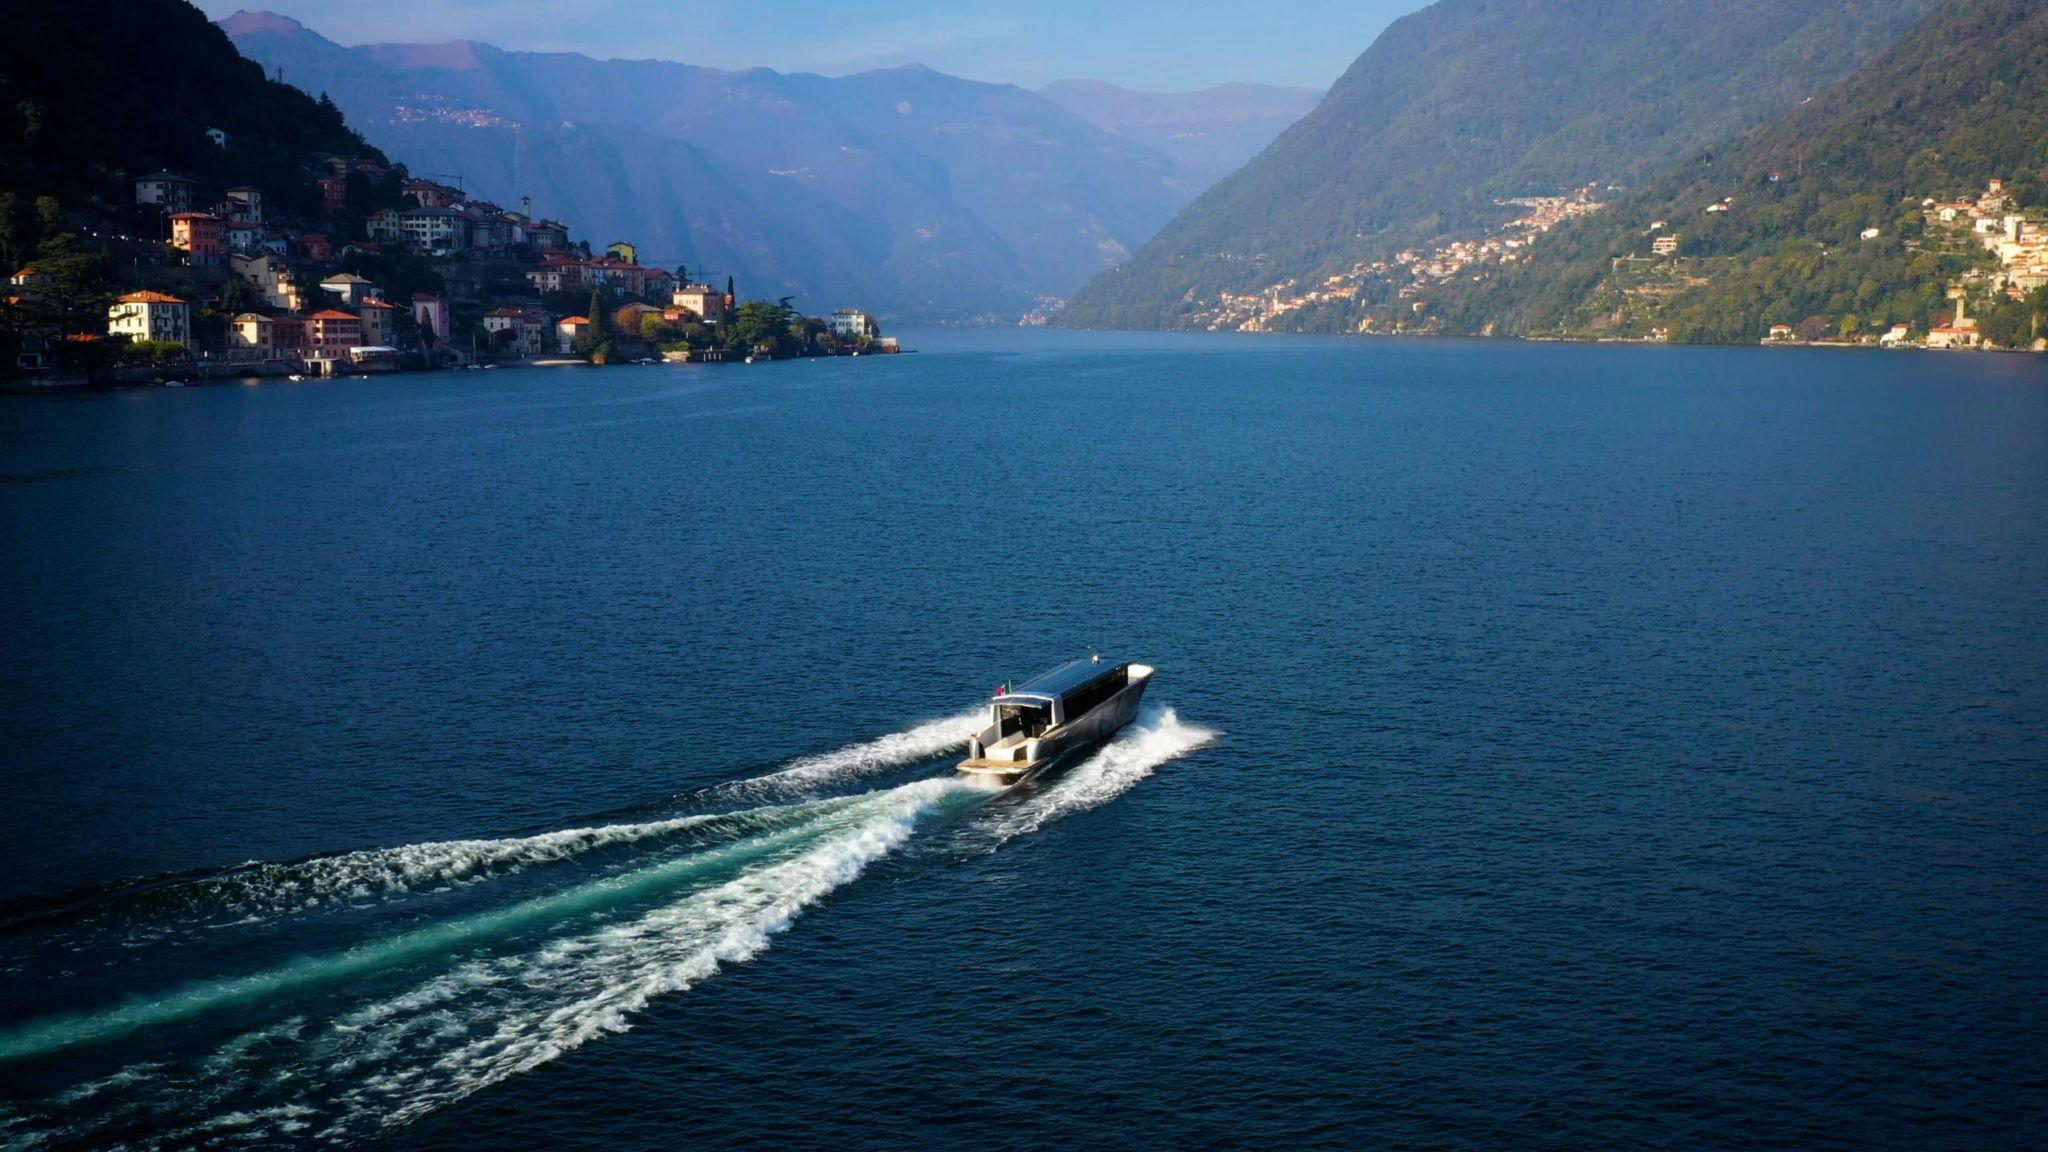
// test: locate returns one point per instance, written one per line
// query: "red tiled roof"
(332, 314)
(149, 298)
(575, 319)
(373, 302)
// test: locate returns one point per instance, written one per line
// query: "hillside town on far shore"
(2012, 266)
(431, 278)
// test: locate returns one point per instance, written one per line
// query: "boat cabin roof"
(1069, 677)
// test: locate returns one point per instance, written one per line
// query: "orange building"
(199, 235)
(333, 332)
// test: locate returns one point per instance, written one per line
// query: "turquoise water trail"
(437, 1012)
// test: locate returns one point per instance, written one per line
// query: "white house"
(151, 316)
(352, 289)
(853, 324)
(434, 229)
(167, 190)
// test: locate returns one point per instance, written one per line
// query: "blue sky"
(1150, 44)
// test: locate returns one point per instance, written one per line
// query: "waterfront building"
(431, 314)
(568, 330)
(853, 324)
(251, 336)
(288, 336)
(151, 316)
(332, 332)
(380, 322)
(627, 320)
(521, 331)
(702, 300)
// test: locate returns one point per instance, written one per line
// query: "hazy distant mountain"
(1210, 133)
(910, 192)
(1469, 101)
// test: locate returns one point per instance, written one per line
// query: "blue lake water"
(1555, 747)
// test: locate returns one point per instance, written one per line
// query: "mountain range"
(1818, 219)
(1210, 133)
(906, 191)
(1469, 103)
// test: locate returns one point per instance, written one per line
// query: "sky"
(1154, 45)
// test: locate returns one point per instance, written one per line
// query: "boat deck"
(996, 765)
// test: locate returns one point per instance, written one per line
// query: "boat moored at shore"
(1046, 720)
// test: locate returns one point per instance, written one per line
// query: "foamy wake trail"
(809, 773)
(440, 1035)
(517, 1012)
(264, 890)
(1156, 738)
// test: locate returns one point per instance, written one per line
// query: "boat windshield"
(1020, 719)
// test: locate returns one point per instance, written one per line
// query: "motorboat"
(1045, 721)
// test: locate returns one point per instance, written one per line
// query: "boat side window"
(1086, 699)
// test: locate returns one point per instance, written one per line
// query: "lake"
(1553, 746)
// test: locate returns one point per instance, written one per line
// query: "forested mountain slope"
(92, 97)
(1472, 101)
(1960, 100)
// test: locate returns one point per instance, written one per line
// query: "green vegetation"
(1960, 99)
(91, 98)
(1469, 101)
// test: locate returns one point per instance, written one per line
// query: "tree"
(49, 215)
(2008, 324)
(759, 325)
(72, 293)
(13, 234)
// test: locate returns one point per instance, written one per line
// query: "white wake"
(810, 773)
(1136, 753)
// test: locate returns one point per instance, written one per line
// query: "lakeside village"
(2008, 248)
(428, 279)
(2015, 268)
(1408, 274)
